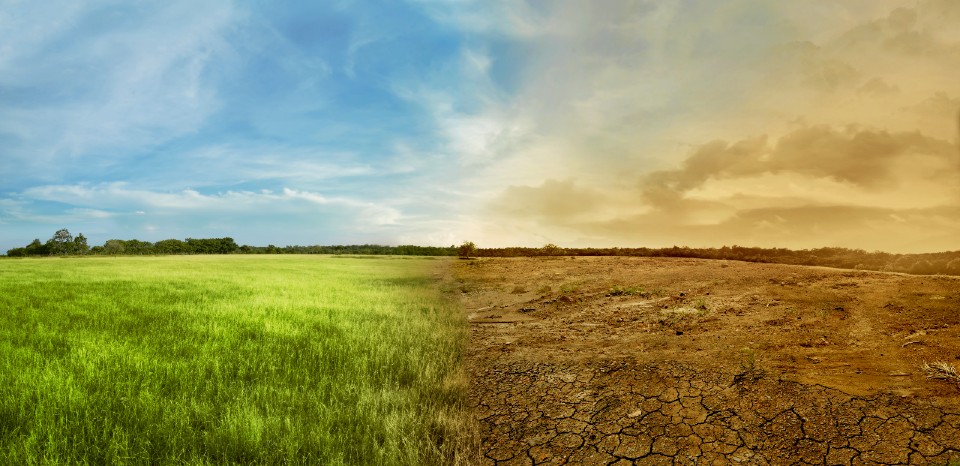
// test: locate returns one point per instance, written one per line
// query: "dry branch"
(941, 370)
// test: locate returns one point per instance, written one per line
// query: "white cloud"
(271, 162)
(369, 212)
(119, 197)
(89, 213)
(98, 77)
(496, 17)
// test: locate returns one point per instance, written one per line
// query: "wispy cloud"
(487, 17)
(101, 78)
(120, 197)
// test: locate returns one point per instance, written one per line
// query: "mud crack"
(625, 413)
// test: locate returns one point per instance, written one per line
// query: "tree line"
(946, 263)
(62, 243)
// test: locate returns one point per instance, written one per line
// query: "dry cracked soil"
(621, 360)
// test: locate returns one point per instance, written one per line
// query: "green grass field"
(230, 359)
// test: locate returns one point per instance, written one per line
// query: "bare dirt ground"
(618, 360)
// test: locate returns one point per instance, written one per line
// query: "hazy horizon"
(505, 123)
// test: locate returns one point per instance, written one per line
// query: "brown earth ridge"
(622, 360)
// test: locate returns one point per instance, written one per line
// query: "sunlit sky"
(430, 122)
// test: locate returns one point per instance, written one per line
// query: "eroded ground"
(618, 360)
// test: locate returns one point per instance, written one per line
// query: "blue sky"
(296, 124)
(503, 122)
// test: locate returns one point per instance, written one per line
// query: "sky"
(507, 123)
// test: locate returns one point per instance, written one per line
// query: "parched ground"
(617, 360)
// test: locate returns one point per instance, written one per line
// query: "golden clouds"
(702, 135)
(866, 158)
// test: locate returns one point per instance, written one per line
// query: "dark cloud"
(939, 105)
(866, 161)
(905, 31)
(878, 87)
(865, 158)
(808, 65)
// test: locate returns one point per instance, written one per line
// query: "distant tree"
(551, 249)
(211, 245)
(138, 247)
(953, 267)
(61, 243)
(467, 249)
(80, 245)
(114, 246)
(227, 246)
(922, 267)
(36, 248)
(170, 246)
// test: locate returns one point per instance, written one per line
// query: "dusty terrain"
(618, 360)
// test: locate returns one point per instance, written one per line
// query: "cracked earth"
(617, 360)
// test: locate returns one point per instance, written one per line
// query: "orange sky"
(749, 122)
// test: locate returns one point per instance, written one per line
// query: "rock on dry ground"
(617, 360)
